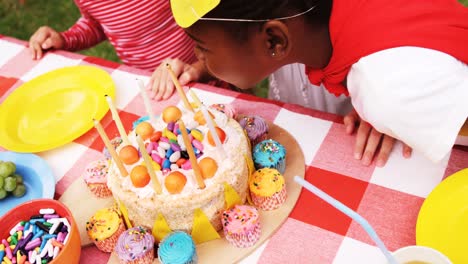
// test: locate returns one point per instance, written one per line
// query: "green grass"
(21, 21)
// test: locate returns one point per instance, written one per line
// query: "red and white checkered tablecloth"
(389, 198)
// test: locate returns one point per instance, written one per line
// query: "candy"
(175, 147)
(197, 144)
(174, 156)
(197, 134)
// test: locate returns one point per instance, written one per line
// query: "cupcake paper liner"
(100, 190)
(147, 258)
(108, 244)
(269, 203)
(245, 240)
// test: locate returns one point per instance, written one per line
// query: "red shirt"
(143, 32)
(361, 27)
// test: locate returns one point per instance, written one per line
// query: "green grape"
(19, 178)
(19, 191)
(7, 168)
(10, 184)
(3, 194)
(2, 182)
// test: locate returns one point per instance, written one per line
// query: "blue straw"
(349, 212)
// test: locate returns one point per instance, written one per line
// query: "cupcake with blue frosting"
(270, 154)
(177, 248)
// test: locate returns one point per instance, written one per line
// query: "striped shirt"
(143, 32)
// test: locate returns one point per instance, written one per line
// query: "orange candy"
(221, 135)
(145, 130)
(208, 167)
(171, 114)
(139, 176)
(156, 136)
(175, 182)
(200, 118)
(129, 154)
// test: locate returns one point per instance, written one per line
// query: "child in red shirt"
(404, 64)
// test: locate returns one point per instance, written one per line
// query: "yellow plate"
(443, 218)
(54, 108)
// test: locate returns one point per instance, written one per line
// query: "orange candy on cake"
(175, 182)
(171, 114)
(200, 118)
(208, 167)
(145, 130)
(139, 176)
(221, 135)
(129, 154)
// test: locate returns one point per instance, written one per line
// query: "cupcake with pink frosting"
(256, 128)
(241, 225)
(227, 109)
(95, 177)
(135, 246)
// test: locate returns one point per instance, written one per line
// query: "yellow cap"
(187, 12)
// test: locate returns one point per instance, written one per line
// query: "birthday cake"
(183, 189)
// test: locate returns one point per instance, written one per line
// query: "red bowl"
(71, 251)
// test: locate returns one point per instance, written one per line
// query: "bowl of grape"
(23, 177)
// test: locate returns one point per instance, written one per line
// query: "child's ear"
(277, 40)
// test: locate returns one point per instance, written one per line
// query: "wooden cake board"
(84, 204)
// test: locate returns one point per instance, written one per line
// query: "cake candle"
(110, 148)
(149, 165)
(192, 157)
(179, 88)
(217, 140)
(146, 101)
(118, 122)
(195, 98)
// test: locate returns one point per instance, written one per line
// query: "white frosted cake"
(178, 200)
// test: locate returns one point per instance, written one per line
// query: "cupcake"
(95, 177)
(104, 228)
(135, 246)
(256, 127)
(177, 248)
(227, 109)
(241, 225)
(270, 154)
(115, 142)
(267, 189)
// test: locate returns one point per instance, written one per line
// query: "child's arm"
(161, 85)
(369, 140)
(416, 95)
(85, 33)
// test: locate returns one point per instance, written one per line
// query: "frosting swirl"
(254, 125)
(268, 152)
(103, 224)
(227, 109)
(134, 243)
(266, 182)
(177, 248)
(240, 219)
(96, 171)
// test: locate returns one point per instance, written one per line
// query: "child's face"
(240, 63)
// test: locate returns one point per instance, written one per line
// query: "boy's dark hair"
(267, 9)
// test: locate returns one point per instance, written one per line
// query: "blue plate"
(37, 175)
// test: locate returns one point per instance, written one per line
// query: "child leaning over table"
(143, 33)
(403, 63)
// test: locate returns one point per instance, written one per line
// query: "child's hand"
(368, 140)
(43, 39)
(161, 84)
